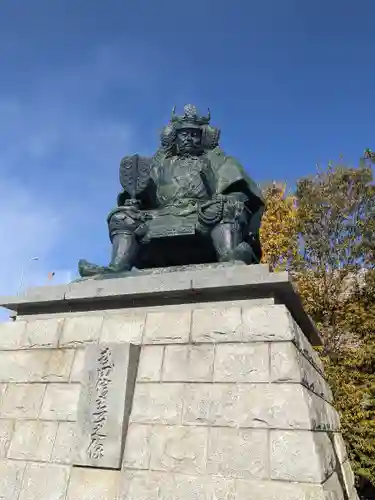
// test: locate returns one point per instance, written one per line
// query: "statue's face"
(189, 140)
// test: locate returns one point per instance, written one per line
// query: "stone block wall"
(230, 402)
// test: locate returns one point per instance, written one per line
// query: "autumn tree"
(336, 278)
(351, 374)
(335, 223)
(325, 236)
(278, 231)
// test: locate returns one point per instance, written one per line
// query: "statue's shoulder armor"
(158, 164)
(230, 171)
(158, 160)
(217, 157)
(217, 152)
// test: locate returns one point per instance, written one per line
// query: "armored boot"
(126, 227)
(229, 244)
(124, 252)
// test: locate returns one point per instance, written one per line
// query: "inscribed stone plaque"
(105, 403)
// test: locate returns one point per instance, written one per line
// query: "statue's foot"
(242, 253)
(87, 269)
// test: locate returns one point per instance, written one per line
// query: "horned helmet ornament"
(190, 118)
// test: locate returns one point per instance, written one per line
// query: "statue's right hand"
(124, 212)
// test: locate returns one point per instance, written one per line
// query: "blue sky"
(290, 82)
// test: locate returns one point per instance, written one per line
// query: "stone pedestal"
(220, 394)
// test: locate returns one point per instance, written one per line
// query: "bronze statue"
(188, 204)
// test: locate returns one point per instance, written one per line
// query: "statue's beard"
(188, 149)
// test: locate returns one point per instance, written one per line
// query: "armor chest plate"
(183, 178)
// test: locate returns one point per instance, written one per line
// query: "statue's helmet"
(190, 119)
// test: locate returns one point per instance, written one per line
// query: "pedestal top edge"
(231, 282)
(187, 279)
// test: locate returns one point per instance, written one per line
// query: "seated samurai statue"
(188, 204)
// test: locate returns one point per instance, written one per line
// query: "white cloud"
(54, 146)
(61, 112)
(29, 227)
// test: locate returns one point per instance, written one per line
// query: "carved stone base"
(230, 399)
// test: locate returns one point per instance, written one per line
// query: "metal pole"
(23, 273)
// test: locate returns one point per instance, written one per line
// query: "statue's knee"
(122, 222)
(116, 217)
(120, 218)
